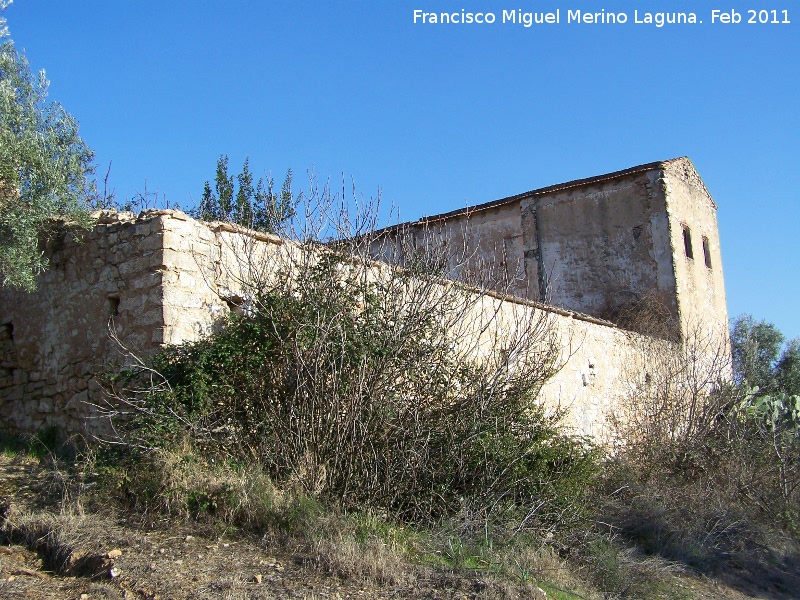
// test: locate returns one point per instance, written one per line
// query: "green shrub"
(369, 387)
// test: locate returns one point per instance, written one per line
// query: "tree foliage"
(761, 358)
(238, 200)
(767, 371)
(44, 168)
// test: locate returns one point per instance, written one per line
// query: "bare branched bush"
(696, 477)
(676, 397)
(374, 385)
(649, 315)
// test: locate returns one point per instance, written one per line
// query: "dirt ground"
(100, 554)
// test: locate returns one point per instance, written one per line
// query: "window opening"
(706, 252)
(7, 354)
(112, 305)
(687, 242)
(235, 304)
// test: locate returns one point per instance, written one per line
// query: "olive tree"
(45, 167)
(763, 358)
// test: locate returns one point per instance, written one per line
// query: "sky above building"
(434, 117)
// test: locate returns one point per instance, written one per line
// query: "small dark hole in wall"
(7, 353)
(235, 304)
(112, 306)
(706, 252)
(687, 242)
(637, 232)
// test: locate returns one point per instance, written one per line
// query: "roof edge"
(652, 166)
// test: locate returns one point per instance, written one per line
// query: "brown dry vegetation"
(61, 529)
(60, 542)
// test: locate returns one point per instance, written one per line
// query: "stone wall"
(597, 244)
(55, 339)
(692, 215)
(164, 278)
(600, 364)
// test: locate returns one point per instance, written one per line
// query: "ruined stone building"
(598, 246)
(588, 248)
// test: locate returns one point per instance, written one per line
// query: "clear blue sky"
(439, 116)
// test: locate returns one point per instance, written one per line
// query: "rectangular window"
(706, 252)
(687, 242)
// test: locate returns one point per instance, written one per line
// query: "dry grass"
(186, 485)
(696, 483)
(542, 564)
(302, 550)
(374, 560)
(69, 544)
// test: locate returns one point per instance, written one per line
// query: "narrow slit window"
(7, 352)
(112, 305)
(706, 252)
(687, 242)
